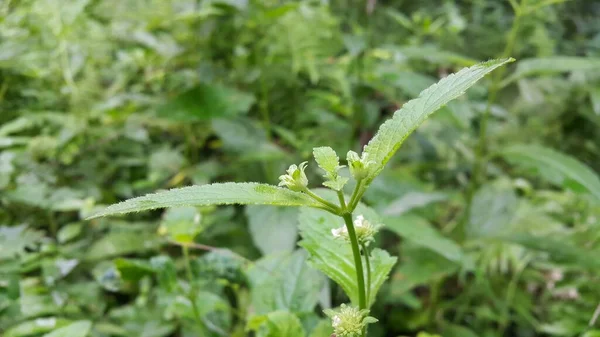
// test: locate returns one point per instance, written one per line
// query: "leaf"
(204, 102)
(181, 224)
(35, 327)
(556, 167)
(323, 329)
(273, 229)
(281, 324)
(16, 239)
(284, 282)
(334, 257)
(492, 211)
(121, 243)
(413, 200)
(419, 266)
(420, 232)
(326, 158)
(214, 194)
(394, 131)
(76, 329)
(551, 65)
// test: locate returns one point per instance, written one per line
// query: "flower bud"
(295, 179)
(359, 166)
(349, 321)
(365, 231)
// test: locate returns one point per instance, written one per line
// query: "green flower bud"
(360, 167)
(295, 179)
(349, 321)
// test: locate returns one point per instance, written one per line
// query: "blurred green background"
(492, 205)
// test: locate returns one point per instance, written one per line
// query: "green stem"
(342, 200)
(356, 195)
(360, 277)
(334, 208)
(368, 266)
(190, 276)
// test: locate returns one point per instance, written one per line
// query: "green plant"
(358, 231)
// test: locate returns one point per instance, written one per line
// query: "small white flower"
(335, 321)
(339, 232)
(295, 179)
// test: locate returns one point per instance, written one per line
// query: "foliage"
(491, 206)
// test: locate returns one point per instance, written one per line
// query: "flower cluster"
(349, 321)
(295, 179)
(360, 167)
(365, 231)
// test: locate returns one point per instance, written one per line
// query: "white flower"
(363, 228)
(335, 321)
(341, 232)
(295, 179)
(349, 321)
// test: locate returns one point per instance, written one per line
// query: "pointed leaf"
(281, 324)
(552, 65)
(554, 166)
(214, 194)
(394, 131)
(326, 158)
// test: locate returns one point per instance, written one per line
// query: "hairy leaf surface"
(214, 194)
(394, 131)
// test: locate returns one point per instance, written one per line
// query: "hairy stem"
(368, 266)
(334, 208)
(360, 277)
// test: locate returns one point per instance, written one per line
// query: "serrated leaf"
(334, 257)
(394, 131)
(552, 65)
(285, 282)
(326, 158)
(214, 194)
(556, 167)
(76, 329)
(420, 232)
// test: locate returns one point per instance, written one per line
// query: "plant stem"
(355, 195)
(342, 200)
(360, 277)
(333, 207)
(190, 276)
(368, 266)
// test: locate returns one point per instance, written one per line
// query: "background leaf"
(273, 229)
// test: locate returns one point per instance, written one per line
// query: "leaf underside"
(213, 194)
(394, 131)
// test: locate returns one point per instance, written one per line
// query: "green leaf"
(35, 327)
(420, 232)
(551, 65)
(181, 224)
(273, 229)
(204, 102)
(121, 243)
(214, 194)
(493, 209)
(281, 324)
(394, 131)
(15, 240)
(556, 167)
(284, 282)
(323, 329)
(334, 257)
(326, 158)
(76, 329)
(419, 266)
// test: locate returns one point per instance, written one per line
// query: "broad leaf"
(493, 209)
(214, 194)
(334, 256)
(284, 282)
(420, 232)
(394, 131)
(552, 65)
(281, 324)
(273, 229)
(556, 167)
(76, 329)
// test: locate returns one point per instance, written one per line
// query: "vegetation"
(484, 223)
